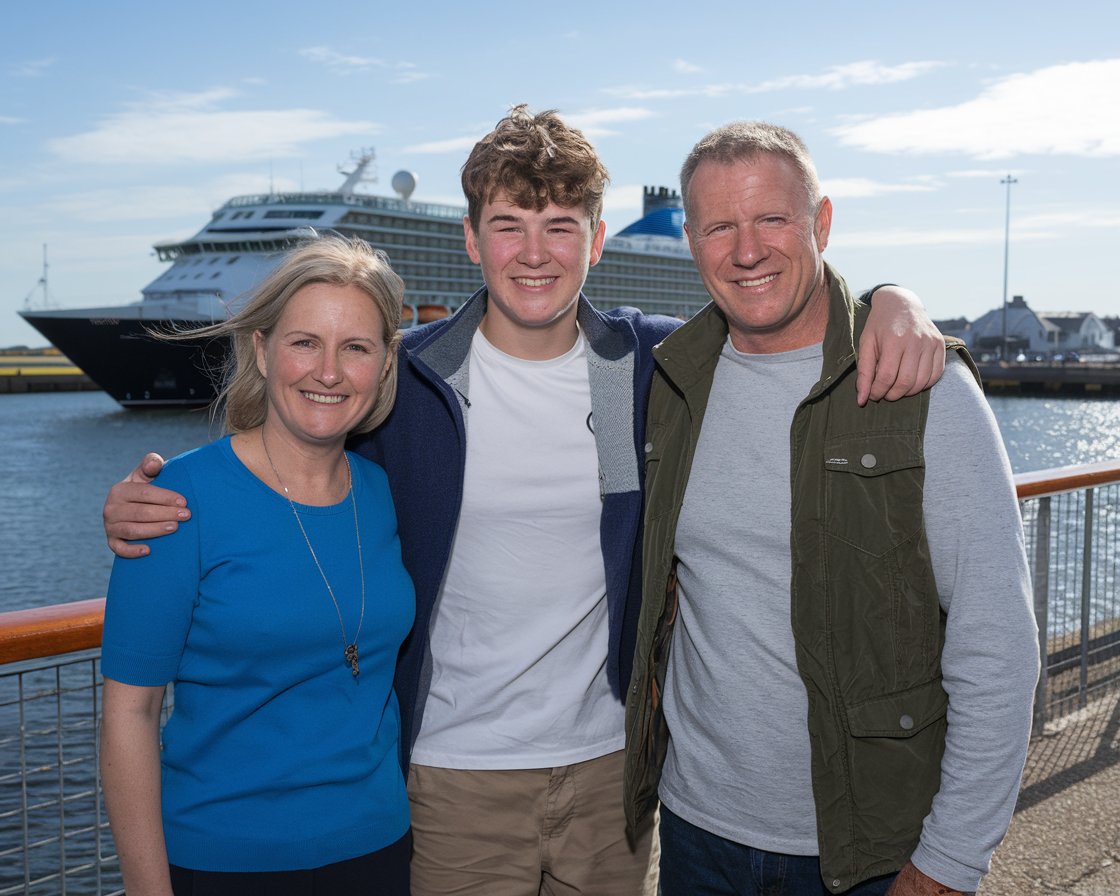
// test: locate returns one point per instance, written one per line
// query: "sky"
(126, 123)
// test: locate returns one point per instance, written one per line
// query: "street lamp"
(1009, 180)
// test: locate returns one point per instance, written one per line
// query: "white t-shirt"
(519, 636)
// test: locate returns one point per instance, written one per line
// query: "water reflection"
(1040, 433)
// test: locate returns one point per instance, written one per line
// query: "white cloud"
(131, 204)
(623, 198)
(1059, 110)
(853, 74)
(685, 68)
(984, 173)
(953, 236)
(193, 203)
(593, 123)
(862, 187)
(434, 147)
(167, 101)
(187, 128)
(1052, 223)
(340, 62)
(672, 93)
(1027, 228)
(597, 122)
(7, 119)
(408, 73)
(33, 68)
(867, 73)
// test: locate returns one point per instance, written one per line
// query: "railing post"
(1041, 581)
(1086, 580)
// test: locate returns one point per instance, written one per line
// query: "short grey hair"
(743, 141)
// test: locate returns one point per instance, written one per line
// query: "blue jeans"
(695, 862)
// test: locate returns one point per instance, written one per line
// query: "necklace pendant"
(351, 656)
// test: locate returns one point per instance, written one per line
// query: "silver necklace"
(350, 651)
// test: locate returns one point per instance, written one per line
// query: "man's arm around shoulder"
(136, 509)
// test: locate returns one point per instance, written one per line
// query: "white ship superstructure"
(647, 265)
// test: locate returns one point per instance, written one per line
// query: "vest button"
(836, 883)
(906, 723)
(868, 461)
(649, 447)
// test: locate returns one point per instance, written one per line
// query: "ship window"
(311, 214)
(233, 259)
(215, 275)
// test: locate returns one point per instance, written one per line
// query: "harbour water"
(61, 452)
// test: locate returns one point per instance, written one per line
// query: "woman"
(277, 612)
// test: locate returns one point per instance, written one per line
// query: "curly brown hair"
(534, 160)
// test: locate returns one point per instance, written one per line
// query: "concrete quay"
(41, 373)
(1091, 380)
(1065, 835)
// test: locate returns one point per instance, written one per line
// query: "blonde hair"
(334, 259)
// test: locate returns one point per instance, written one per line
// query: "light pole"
(1009, 180)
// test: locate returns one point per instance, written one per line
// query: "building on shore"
(1035, 334)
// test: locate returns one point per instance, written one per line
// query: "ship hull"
(131, 364)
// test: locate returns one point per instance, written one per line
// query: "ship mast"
(362, 159)
(41, 283)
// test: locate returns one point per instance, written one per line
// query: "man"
(836, 651)
(514, 459)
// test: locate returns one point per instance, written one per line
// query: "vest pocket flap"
(874, 455)
(901, 714)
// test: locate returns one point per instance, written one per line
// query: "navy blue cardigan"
(422, 446)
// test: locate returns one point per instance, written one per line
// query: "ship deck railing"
(368, 200)
(54, 834)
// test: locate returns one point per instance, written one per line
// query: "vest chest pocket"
(872, 491)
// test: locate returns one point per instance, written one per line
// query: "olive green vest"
(867, 623)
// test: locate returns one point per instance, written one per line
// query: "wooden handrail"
(49, 631)
(1066, 479)
(64, 628)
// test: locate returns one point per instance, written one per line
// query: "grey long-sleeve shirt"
(738, 762)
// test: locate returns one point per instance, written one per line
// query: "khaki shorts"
(525, 832)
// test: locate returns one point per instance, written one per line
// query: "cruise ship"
(647, 265)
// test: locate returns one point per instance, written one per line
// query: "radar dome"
(404, 182)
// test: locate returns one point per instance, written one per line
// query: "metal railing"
(1071, 518)
(54, 835)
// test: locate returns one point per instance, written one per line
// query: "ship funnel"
(654, 198)
(404, 182)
